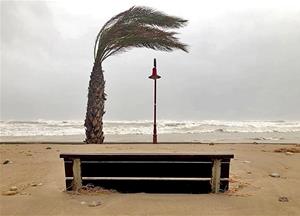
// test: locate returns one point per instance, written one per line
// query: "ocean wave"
(42, 127)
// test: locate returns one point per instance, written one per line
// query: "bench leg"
(77, 181)
(216, 176)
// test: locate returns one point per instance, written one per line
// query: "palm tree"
(135, 27)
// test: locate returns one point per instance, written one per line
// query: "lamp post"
(154, 76)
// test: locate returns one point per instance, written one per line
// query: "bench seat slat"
(147, 170)
(142, 162)
(146, 156)
(146, 178)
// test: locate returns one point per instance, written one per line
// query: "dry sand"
(252, 191)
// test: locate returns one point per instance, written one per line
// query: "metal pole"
(154, 126)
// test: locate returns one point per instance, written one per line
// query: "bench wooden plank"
(144, 178)
(147, 156)
(150, 169)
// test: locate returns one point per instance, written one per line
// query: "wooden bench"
(149, 172)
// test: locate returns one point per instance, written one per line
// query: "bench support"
(216, 176)
(77, 180)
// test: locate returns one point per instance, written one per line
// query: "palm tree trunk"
(95, 106)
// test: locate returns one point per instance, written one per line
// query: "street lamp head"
(154, 74)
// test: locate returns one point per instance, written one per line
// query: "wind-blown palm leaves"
(135, 27)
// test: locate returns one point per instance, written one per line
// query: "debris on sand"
(94, 203)
(275, 175)
(90, 185)
(13, 188)
(24, 193)
(92, 190)
(289, 153)
(285, 150)
(283, 199)
(82, 202)
(7, 161)
(236, 187)
(48, 147)
(246, 161)
(34, 184)
(10, 193)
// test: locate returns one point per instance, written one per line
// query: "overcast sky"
(243, 64)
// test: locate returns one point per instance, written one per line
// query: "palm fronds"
(138, 27)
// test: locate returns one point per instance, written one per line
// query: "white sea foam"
(60, 128)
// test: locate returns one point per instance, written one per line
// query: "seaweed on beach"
(236, 185)
(285, 150)
(90, 189)
(95, 190)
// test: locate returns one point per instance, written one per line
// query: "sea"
(251, 130)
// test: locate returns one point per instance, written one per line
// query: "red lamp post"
(154, 76)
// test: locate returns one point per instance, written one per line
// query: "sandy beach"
(252, 191)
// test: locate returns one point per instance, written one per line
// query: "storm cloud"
(243, 63)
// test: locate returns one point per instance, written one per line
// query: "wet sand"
(252, 191)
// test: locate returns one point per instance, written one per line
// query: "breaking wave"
(61, 128)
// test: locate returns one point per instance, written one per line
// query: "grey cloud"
(241, 65)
